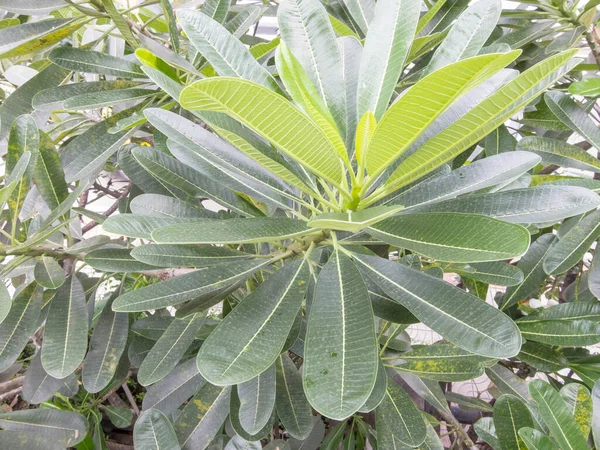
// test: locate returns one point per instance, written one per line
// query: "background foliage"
(222, 223)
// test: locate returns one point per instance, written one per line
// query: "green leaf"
(379, 390)
(203, 417)
(293, 409)
(541, 204)
(239, 443)
(454, 237)
(20, 101)
(499, 141)
(48, 273)
(398, 419)
(408, 113)
(168, 394)
(575, 333)
(228, 55)
(481, 120)
(203, 283)
(257, 401)
(508, 382)
(386, 46)
(107, 344)
(486, 430)
(596, 411)
(231, 231)
(305, 27)
(115, 260)
(468, 34)
(495, 272)
(557, 417)
(531, 266)
(169, 349)
(66, 330)
(294, 134)
(54, 98)
(38, 386)
(5, 302)
(306, 97)
(119, 21)
(479, 328)
(339, 372)
(154, 431)
(107, 98)
(468, 403)
(589, 87)
(542, 357)
(361, 12)
(119, 417)
(560, 153)
(567, 251)
(579, 400)
(249, 340)
(510, 415)
(573, 116)
(480, 174)
(137, 226)
(80, 60)
(353, 221)
(216, 9)
(67, 427)
(31, 7)
(171, 172)
(166, 255)
(20, 323)
(536, 440)
(34, 36)
(48, 174)
(170, 18)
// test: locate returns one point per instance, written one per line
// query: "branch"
(110, 210)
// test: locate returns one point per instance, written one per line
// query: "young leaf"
(340, 371)
(66, 331)
(386, 46)
(249, 340)
(294, 134)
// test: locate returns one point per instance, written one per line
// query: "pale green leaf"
(572, 115)
(257, 401)
(560, 153)
(67, 427)
(353, 221)
(386, 46)
(120, 417)
(48, 273)
(115, 260)
(88, 61)
(154, 431)
(166, 255)
(291, 404)
(379, 390)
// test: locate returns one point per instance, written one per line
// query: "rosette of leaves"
(346, 177)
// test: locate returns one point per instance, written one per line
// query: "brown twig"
(109, 211)
(11, 394)
(106, 190)
(132, 402)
